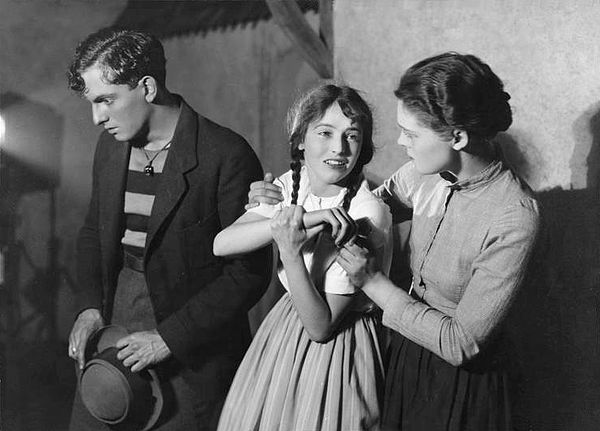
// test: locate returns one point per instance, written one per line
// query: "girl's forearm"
(243, 237)
(313, 309)
(248, 234)
(310, 220)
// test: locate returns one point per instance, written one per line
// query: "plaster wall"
(546, 52)
(245, 79)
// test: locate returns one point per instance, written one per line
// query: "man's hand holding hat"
(86, 323)
(142, 349)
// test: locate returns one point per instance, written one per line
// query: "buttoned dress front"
(469, 246)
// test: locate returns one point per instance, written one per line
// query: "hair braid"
(295, 165)
(354, 182)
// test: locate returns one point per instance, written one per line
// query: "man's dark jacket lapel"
(173, 184)
(111, 192)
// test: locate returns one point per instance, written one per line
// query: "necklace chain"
(149, 169)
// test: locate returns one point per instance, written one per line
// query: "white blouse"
(364, 205)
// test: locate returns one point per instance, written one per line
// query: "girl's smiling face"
(331, 147)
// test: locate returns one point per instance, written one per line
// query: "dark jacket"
(200, 301)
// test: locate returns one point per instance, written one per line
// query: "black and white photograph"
(299, 215)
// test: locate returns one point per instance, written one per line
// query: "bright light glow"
(2, 129)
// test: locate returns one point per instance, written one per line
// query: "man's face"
(122, 111)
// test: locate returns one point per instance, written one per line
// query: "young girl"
(315, 362)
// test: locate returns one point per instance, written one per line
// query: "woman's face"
(331, 148)
(430, 152)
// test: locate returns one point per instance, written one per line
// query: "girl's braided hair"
(310, 108)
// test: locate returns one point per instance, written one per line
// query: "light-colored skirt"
(288, 382)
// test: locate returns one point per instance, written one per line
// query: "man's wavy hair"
(125, 56)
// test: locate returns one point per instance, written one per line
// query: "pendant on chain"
(149, 169)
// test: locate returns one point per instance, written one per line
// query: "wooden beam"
(326, 22)
(289, 17)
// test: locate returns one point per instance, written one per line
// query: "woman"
(314, 363)
(473, 229)
(474, 225)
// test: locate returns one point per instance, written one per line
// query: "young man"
(165, 181)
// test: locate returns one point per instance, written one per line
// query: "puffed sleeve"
(372, 211)
(268, 210)
(399, 189)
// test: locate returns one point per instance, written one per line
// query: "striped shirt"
(139, 198)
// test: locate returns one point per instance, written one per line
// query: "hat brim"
(158, 404)
(102, 339)
(107, 337)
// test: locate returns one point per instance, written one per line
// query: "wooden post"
(326, 22)
(289, 17)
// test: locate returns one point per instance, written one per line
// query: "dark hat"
(110, 391)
